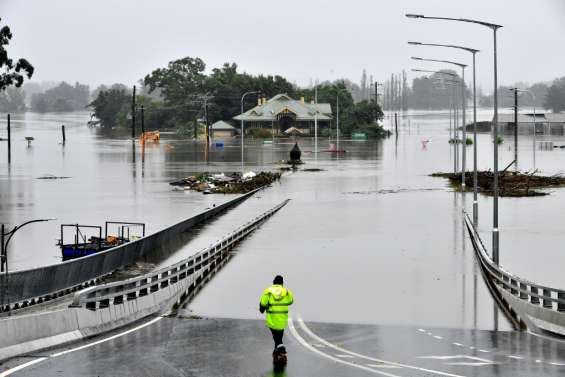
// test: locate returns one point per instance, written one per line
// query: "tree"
(12, 72)
(555, 98)
(61, 98)
(12, 100)
(111, 107)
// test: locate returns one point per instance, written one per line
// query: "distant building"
(546, 123)
(222, 130)
(282, 112)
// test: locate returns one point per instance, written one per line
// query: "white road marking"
(338, 348)
(469, 364)
(437, 337)
(450, 357)
(515, 357)
(421, 330)
(335, 359)
(484, 351)
(476, 361)
(383, 366)
(343, 356)
(458, 344)
(92, 344)
(22, 366)
(557, 364)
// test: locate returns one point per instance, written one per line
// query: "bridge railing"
(19, 289)
(535, 294)
(102, 296)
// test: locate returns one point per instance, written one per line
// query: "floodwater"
(370, 239)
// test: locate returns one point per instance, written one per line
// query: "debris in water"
(233, 183)
(511, 184)
(51, 176)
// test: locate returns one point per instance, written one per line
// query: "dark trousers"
(277, 336)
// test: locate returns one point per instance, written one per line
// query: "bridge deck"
(176, 346)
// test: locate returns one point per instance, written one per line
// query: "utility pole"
(515, 129)
(9, 141)
(63, 134)
(133, 114)
(207, 122)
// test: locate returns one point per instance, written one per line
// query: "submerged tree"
(13, 72)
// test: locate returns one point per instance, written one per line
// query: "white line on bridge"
(338, 348)
(335, 359)
(92, 344)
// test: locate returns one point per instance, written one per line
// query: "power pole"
(9, 141)
(133, 114)
(515, 129)
(207, 122)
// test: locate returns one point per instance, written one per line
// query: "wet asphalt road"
(176, 346)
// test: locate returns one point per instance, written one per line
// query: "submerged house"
(222, 129)
(545, 123)
(282, 112)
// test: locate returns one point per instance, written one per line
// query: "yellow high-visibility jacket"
(275, 301)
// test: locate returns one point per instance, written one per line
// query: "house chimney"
(302, 99)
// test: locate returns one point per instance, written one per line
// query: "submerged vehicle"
(88, 239)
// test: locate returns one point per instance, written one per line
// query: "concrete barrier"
(103, 308)
(530, 305)
(30, 286)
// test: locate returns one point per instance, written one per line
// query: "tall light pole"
(494, 28)
(451, 104)
(516, 121)
(242, 130)
(4, 242)
(463, 144)
(475, 179)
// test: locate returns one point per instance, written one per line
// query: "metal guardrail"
(115, 293)
(29, 287)
(535, 294)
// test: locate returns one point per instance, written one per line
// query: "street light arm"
(439, 72)
(11, 233)
(469, 49)
(440, 61)
(487, 24)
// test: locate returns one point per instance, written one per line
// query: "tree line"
(182, 95)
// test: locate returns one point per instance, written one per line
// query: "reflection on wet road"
(176, 346)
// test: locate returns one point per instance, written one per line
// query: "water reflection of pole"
(133, 114)
(133, 163)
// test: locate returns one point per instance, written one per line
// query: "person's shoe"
(280, 348)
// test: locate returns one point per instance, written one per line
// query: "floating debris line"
(232, 183)
(511, 184)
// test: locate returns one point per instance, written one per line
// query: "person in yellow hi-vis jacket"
(275, 301)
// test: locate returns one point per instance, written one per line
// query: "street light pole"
(474, 52)
(242, 131)
(494, 28)
(4, 242)
(463, 145)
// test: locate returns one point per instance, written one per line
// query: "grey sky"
(107, 41)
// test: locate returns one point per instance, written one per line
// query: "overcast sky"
(108, 41)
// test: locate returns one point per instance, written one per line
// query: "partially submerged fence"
(539, 307)
(27, 287)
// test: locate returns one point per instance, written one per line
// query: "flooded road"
(369, 239)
